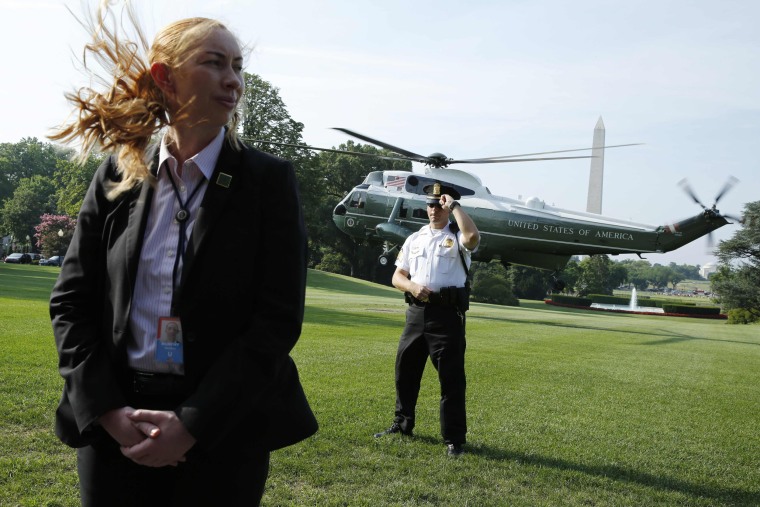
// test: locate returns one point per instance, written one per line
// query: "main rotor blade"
(733, 217)
(559, 151)
(506, 160)
(415, 156)
(384, 157)
(684, 184)
(729, 184)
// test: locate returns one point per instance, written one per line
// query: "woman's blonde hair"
(130, 110)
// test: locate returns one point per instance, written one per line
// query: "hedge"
(604, 299)
(570, 300)
(741, 316)
(691, 310)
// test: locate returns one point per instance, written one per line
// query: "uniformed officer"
(432, 270)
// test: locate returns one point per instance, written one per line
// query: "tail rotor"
(712, 212)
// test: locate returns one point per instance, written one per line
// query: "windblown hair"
(130, 109)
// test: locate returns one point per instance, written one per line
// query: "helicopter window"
(419, 213)
(374, 178)
(357, 200)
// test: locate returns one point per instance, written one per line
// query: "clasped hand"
(419, 291)
(153, 438)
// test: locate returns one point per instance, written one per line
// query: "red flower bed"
(696, 316)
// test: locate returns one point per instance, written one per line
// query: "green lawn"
(565, 407)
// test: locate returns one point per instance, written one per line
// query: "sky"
(475, 79)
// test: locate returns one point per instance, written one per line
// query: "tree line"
(42, 188)
(597, 274)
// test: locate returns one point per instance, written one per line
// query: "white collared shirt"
(431, 258)
(154, 288)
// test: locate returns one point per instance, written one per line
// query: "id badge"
(169, 344)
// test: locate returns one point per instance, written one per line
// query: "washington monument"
(596, 174)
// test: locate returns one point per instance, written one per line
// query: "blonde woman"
(150, 248)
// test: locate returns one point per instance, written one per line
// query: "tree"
(333, 262)
(597, 276)
(675, 277)
(686, 272)
(491, 284)
(72, 180)
(638, 272)
(530, 283)
(341, 172)
(570, 275)
(737, 282)
(618, 275)
(324, 179)
(25, 159)
(54, 234)
(32, 198)
(266, 119)
(660, 275)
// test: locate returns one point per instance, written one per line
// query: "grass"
(565, 407)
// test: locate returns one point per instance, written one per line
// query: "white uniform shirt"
(431, 258)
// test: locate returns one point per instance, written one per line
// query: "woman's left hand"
(168, 447)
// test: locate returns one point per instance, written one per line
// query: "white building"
(708, 269)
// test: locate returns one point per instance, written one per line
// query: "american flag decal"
(395, 182)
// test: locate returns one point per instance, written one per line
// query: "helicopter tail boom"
(676, 235)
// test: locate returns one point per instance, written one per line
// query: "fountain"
(633, 306)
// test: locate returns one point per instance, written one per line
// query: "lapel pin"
(224, 180)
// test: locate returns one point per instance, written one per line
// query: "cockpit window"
(357, 199)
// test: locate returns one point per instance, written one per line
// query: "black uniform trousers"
(438, 332)
(108, 478)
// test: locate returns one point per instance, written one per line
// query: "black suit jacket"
(241, 302)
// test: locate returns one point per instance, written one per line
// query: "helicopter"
(388, 206)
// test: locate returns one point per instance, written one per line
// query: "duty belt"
(448, 296)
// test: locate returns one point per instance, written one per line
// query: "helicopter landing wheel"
(384, 260)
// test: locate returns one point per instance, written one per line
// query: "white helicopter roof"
(394, 181)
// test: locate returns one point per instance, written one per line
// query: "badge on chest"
(169, 344)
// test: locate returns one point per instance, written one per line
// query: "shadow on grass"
(27, 282)
(669, 337)
(731, 495)
(678, 338)
(622, 474)
(347, 285)
(564, 325)
(321, 315)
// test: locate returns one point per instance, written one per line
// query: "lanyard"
(182, 215)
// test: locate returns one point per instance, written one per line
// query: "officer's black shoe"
(454, 450)
(395, 428)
